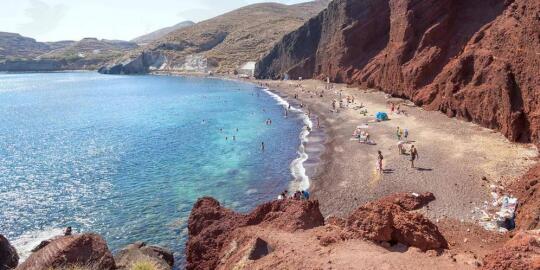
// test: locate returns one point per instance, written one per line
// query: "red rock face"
(390, 220)
(210, 225)
(520, 253)
(476, 60)
(86, 250)
(526, 190)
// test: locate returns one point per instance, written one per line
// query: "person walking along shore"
(414, 155)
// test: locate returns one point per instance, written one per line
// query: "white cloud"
(50, 20)
(43, 17)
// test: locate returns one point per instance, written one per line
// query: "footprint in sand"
(376, 177)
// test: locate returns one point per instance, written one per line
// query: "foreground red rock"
(8, 255)
(210, 225)
(477, 60)
(76, 250)
(217, 234)
(526, 190)
(522, 252)
(389, 220)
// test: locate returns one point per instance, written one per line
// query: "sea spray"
(301, 179)
(29, 240)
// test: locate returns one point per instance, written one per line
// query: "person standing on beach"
(398, 133)
(414, 155)
(380, 159)
(400, 147)
(406, 135)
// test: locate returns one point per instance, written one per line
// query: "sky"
(54, 20)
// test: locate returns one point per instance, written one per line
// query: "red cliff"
(476, 60)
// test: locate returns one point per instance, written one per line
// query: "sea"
(127, 156)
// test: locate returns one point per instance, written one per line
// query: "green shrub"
(144, 265)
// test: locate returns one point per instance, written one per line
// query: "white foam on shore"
(29, 240)
(301, 180)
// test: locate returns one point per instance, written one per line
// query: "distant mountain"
(221, 44)
(91, 48)
(18, 53)
(153, 36)
(16, 47)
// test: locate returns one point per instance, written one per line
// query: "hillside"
(91, 48)
(14, 46)
(158, 34)
(477, 61)
(220, 44)
(18, 53)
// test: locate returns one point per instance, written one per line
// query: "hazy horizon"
(55, 20)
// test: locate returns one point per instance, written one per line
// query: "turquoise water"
(127, 157)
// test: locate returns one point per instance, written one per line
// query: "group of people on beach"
(298, 195)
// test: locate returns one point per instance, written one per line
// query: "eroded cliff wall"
(476, 60)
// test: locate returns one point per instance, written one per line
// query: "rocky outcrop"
(210, 225)
(77, 250)
(390, 220)
(216, 232)
(519, 253)
(141, 64)
(8, 255)
(139, 252)
(526, 189)
(476, 60)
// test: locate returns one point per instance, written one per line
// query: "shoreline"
(311, 147)
(312, 141)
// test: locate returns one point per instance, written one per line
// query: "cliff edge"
(476, 60)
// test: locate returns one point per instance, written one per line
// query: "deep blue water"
(127, 156)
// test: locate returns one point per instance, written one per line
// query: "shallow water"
(127, 156)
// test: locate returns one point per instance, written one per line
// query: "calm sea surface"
(127, 156)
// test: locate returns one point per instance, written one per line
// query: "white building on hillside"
(247, 69)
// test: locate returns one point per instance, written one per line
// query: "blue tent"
(381, 116)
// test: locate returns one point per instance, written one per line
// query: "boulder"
(139, 252)
(259, 249)
(520, 253)
(76, 250)
(287, 215)
(390, 220)
(8, 255)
